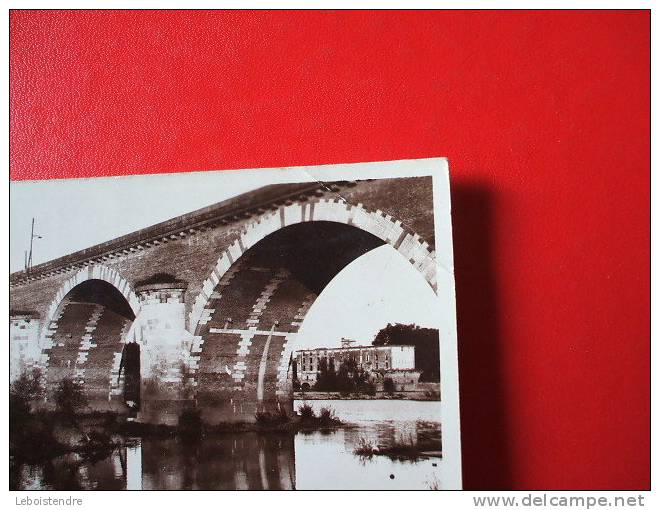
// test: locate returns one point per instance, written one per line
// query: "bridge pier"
(24, 346)
(166, 384)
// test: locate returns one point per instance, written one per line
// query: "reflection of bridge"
(222, 462)
(246, 461)
(213, 299)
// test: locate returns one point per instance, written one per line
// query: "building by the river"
(395, 362)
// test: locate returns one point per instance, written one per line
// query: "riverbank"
(45, 435)
(335, 395)
(229, 460)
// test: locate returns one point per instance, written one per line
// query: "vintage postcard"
(288, 328)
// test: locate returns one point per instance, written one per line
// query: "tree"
(426, 342)
(23, 391)
(345, 382)
(326, 379)
(69, 396)
(388, 386)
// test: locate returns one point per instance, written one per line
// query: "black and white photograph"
(265, 329)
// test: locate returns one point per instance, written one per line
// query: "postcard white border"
(438, 170)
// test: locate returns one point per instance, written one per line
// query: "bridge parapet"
(218, 215)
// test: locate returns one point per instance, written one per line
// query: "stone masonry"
(219, 334)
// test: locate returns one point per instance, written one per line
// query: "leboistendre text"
(48, 501)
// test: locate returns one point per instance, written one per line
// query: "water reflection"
(236, 461)
(329, 461)
(270, 461)
(72, 472)
(233, 461)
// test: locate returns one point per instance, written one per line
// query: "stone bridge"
(203, 310)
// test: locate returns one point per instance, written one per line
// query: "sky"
(376, 288)
(72, 214)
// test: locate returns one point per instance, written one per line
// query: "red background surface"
(545, 120)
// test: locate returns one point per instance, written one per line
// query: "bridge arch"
(383, 226)
(246, 319)
(88, 321)
(94, 272)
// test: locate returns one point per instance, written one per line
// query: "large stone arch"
(246, 319)
(390, 230)
(88, 322)
(94, 272)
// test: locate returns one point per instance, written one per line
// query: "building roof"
(355, 348)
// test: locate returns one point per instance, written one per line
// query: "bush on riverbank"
(326, 417)
(400, 450)
(306, 411)
(23, 392)
(268, 418)
(38, 434)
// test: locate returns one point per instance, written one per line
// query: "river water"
(301, 460)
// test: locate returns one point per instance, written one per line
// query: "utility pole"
(28, 265)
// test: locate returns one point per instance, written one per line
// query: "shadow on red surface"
(483, 407)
